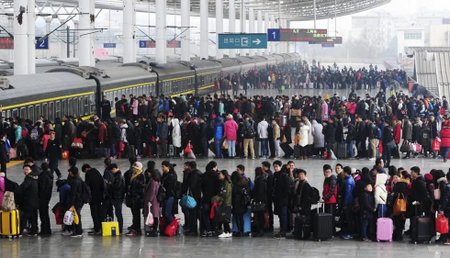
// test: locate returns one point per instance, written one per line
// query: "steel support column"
(204, 29)
(161, 45)
(129, 22)
(20, 37)
(186, 36)
(219, 26)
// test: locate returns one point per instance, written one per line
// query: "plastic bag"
(150, 220)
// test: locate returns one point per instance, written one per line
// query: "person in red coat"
(445, 139)
(397, 131)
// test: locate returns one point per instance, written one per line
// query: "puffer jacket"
(380, 189)
(445, 136)
(330, 190)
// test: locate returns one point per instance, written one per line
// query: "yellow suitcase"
(110, 228)
(10, 223)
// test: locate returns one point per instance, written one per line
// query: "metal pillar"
(219, 25)
(231, 22)
(267, 26)
(185, 37)
(204, 29)
(315, 13)
(20, 37)
(129, 22)
(260, 28)
(161, 45)
(251, 29)
(244, 27)
(31, 20)
(85, 47)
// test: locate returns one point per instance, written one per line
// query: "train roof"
(126, 74)
(227, 62)
(172, 69)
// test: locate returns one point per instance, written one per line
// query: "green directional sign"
(242, 41)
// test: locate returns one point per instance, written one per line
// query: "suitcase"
(323, 226)
(10, 223)
(287, 149)
(422, 228)
(297, 151)
(341, 150)
(110, 228)
(385, 229)
(302, 227)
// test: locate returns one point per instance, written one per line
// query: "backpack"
(315, 196)
(34, 134)
(161, 195)
(86, 195)
(245, 197)
(249, 131)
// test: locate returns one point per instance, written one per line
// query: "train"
(77, 91)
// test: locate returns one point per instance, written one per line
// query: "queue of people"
(235, 205)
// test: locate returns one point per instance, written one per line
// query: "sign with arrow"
(243, 41)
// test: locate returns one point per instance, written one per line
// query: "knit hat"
(428, 177)
(138, 165)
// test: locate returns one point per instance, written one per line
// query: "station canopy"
(293, 10)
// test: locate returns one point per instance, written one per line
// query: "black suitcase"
(302, 227)
(422, 227)
(297, 151)
(287, 149)
(323, 226)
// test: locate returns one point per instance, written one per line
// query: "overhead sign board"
(152, 44)
(42, 43)
(326, 40)
(109, 45)
(242, 41)
(302, 35)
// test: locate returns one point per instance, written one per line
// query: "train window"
(31, 113)
(75, 107)
(51, 111)
(8, 113)
(45, 110)
(63, 107)
(58, 109)
(37, 111)
(4, 115)
(15, 113)
(88, 108)
(80, 106)
(23, 113)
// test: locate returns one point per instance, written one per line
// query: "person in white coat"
(263, 134)
(310, 136)
(303, 133)
(176, 136)
(319, 138)
(381, 193)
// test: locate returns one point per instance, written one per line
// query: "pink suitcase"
(385, 229)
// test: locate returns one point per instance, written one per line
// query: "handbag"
(8, 203)
(121, 146)
(418, 147)
(437, 194)
(172, 228)
(188, 201)
(400, 205)
(59, 213)
(188, 148)
(435, 145)
(68, 218)
(225, 145)
(441, 224)
(258, 206)
(405, 146)
(149, 220)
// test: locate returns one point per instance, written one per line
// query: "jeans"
(365, 222)
(118, 211)
(277, 148)
(231, 148)
(444, 151)
(387, 153)
(218, 146)
(265, 147)
(168, 208)
(351, 149)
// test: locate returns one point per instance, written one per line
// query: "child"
(367, 204)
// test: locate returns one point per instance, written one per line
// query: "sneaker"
(447, 243)
(223, 235)
(32, 234)
(133, 233)
(229, 235)
(94, 232)
(66, 233)
(346, 237)
(76, 235)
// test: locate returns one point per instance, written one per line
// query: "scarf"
(136, 173)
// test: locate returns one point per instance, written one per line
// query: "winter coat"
(397, 133)
(419, 193)
(329, 131)
(325, 111)
(176, 133)
(230, 130)
(210, 186)
(238, 198)
(303, 135)
(45, 185)
(367, 205)
(116, 189)
(192, 184)
(259, 193)
(28, 193)
(330, 190)
(96, 183)
(76, 191)
(281, 189)
(151, 192)
(445, 137)
(169, 181)
(263, 129)
(2, 189)
(302, 196)
(407, 130)
(319, 138)
(310, 132)
(349, 185)
(226, 193)
(135, 193)
(380, 192)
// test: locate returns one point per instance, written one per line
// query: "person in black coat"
(169, 181)
(259, 195)
(265, 165)
(210, 186)
(53, 152)
(45, 186)
(240, 200)
(281, 190)
(329, 131)
(28, 193)
(75, 199)
(96, 183)
(419, 192)
(388, 143)
(4, 156)
(192, 186)
(303, 193)
(116, 190)
(367, 204)
(399, 190)
(135, 197)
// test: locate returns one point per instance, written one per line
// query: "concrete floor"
(91, 246)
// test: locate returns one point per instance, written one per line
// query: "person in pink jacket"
(2, 187)
(230, 134)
